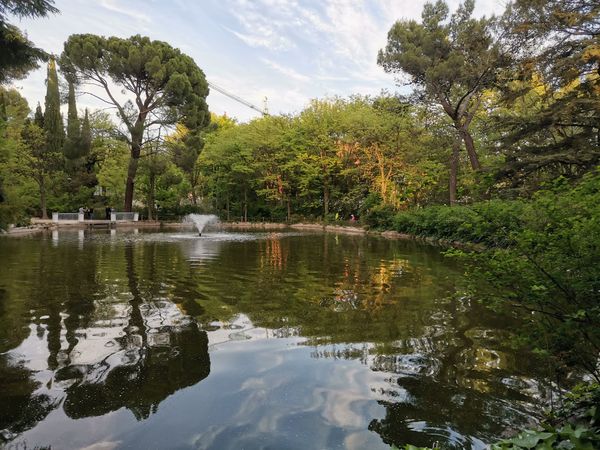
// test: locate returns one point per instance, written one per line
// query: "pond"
(280, 340)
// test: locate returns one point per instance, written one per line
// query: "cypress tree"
(86, 135)
(53, 124)
(72, 148)
(38, 117)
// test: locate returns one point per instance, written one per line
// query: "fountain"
(200, 220)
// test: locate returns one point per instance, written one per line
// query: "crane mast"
(264, 111)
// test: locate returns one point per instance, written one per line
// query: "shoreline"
(39, 225)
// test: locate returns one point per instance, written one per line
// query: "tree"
(78, 164)
(227, 161)
(19, 55)
(319, 127)
(450, 62)
(555, 85)
(44, 157)
(13, 112)
(185, 146)
(85, 137)
(53, 123)
(275, 160)
(154, 165)
(72, 143)
(164, 87)
(36, 160)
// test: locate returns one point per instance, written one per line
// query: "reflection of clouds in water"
(345, 406)
(32, 354)
(277, 401)
(104, 445)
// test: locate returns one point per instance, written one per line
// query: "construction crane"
(263, 111)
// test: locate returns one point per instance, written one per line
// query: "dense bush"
(379, 217)
(549, 270)
(489, 222)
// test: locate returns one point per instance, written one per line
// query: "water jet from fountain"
(200, 220)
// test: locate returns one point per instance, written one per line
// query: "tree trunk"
(245, 205)
(151, 196)
(43, 198)
(325, 201)
(470, 146)
(289, 210)
(136, 148)
(453, 172)
(227, 206)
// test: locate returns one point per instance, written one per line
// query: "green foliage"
(26, 8)
(164, 86)
(53, 123)
(542, 258)
(576, 425)
(379, 217)
(567, 437)
(451, 60)
(556, 133)
(72, 142)
(550, 272)
(324, 162)
(19, 55)
(488, 222)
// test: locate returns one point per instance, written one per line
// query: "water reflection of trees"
(451, 373)
(117, 331)
(101, 337)
(453, 383)
(332, 288)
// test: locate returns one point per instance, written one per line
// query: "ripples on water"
(248, 340)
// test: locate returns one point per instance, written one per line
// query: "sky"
(282, 52)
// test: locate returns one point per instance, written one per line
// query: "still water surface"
(248, 340)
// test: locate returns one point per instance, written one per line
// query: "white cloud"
(286, 50)
(287, 71)
(112, 5)
(267, 40)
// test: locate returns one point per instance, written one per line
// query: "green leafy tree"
(79, 167)
(86, 134)
(228, 164)
(37, 161)
(13, 112)
(163, 85)
(450, 60)
(19, 55)
(557, 75)
(184, 147)
(153, 165)
(319, 128)
(108, 156)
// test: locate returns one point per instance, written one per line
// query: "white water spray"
(200, 220)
